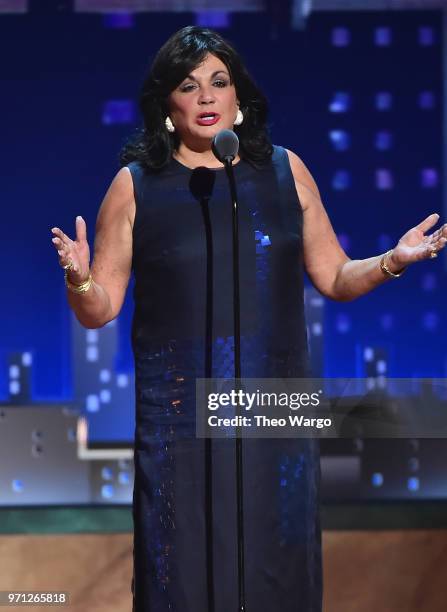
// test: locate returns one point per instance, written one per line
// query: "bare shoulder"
(123, 180)
(304, 181)
(119, 200)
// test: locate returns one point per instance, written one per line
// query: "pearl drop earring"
(239, 118)
(169, 125)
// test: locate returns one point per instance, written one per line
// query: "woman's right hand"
(77, 251)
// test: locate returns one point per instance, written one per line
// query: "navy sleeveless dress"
(184, 500)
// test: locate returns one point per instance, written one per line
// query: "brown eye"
(187, 87)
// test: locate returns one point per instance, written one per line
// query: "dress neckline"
(188, 169)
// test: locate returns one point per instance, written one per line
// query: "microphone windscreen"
(225, 145)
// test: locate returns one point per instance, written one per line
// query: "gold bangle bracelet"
(82, 288)
(386, 270)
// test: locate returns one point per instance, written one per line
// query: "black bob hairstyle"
(153, 145)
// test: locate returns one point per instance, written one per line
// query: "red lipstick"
(209, 118)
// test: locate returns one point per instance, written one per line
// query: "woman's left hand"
(415, 246)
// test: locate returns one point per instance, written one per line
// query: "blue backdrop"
(357, 96)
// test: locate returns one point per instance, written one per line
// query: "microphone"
(225, 146)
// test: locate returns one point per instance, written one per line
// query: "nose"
(206, 96)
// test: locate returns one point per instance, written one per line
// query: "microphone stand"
(201, 186)
(228, 160)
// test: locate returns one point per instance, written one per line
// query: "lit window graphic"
(342, 323)
(383, 100)
(340, 103)
(92, 336)
(341, 37)
(317, 329)
(368, 353)
(382, 37)
(341, 140)
(341, 180)
(17, 486)
(91, 353)
(387, 321)
(377, 479)
(27, 359)
(430, 321)
(122, 380)
(429, 178)
(92, 403)
(383, 140)
(124, 478)
(118, 112)
(14, 387)
(107, 473)
(107, 491)
(104, 375)
(427, 100)
(426, 36)
(429, 281)
(14, 371)
(105, 396)
(384, 179)
(413, 464)
(413, 483)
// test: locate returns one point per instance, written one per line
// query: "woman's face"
(204, 103)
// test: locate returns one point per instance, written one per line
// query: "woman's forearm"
(92, 308)
(359, 276)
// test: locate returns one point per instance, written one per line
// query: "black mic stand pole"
(237, 374)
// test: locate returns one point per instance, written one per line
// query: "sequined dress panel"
(185, 534)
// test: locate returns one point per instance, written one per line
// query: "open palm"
(415, 245)
(75, 251)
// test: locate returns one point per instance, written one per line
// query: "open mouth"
(208, 118)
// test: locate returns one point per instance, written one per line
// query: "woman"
(154, 222)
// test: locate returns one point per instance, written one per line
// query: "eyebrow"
(190, 76)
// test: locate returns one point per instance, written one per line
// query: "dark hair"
(153, 145)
